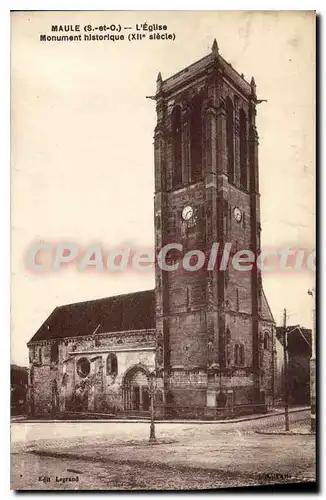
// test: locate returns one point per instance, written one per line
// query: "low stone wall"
(209, 413)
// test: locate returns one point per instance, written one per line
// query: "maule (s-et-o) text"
(107, 32)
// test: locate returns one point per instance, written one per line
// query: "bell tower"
(206, 191)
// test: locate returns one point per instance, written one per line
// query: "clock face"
(187, 212)
(237, 214)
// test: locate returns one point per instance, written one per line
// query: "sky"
(82, 166)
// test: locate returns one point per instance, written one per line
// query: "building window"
(55, 353)
(230, 138)
(241, 355)
(83, 367)
(243, 150)
(236, 354)
(31, 354)
(38, 355)
(228, 347)
(228, 335)
(111, 364)
(228, 355)
(196, 139)
(266, 341)
(176, 147)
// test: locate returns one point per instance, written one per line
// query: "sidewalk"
(272, 413)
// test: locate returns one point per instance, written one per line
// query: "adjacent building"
(18, 389)
(298, 370)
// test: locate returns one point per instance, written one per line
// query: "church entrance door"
(136, 397)
(135, 391)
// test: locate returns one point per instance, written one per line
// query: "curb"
(141, 421)
(284, 433)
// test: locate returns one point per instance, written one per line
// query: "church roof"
(133, 311)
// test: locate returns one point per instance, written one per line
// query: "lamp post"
(152, 390)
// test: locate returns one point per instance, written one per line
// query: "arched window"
(228, 350)
(111, 364)
(228, 335)
(54, 352)
(241, 355)
(228, 354)
(196, 139)
(176, 147)
(266, 341)
(236, 354)
(243, 150)
(230, 138)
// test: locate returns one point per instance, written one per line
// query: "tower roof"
(201, 66)
(215, 47)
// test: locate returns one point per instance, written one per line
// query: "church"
(205, 341)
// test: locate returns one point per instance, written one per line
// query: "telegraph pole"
(313, 365)
(286, 394)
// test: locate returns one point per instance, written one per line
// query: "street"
(110, 455)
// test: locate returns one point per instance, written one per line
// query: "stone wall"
(56, 387)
